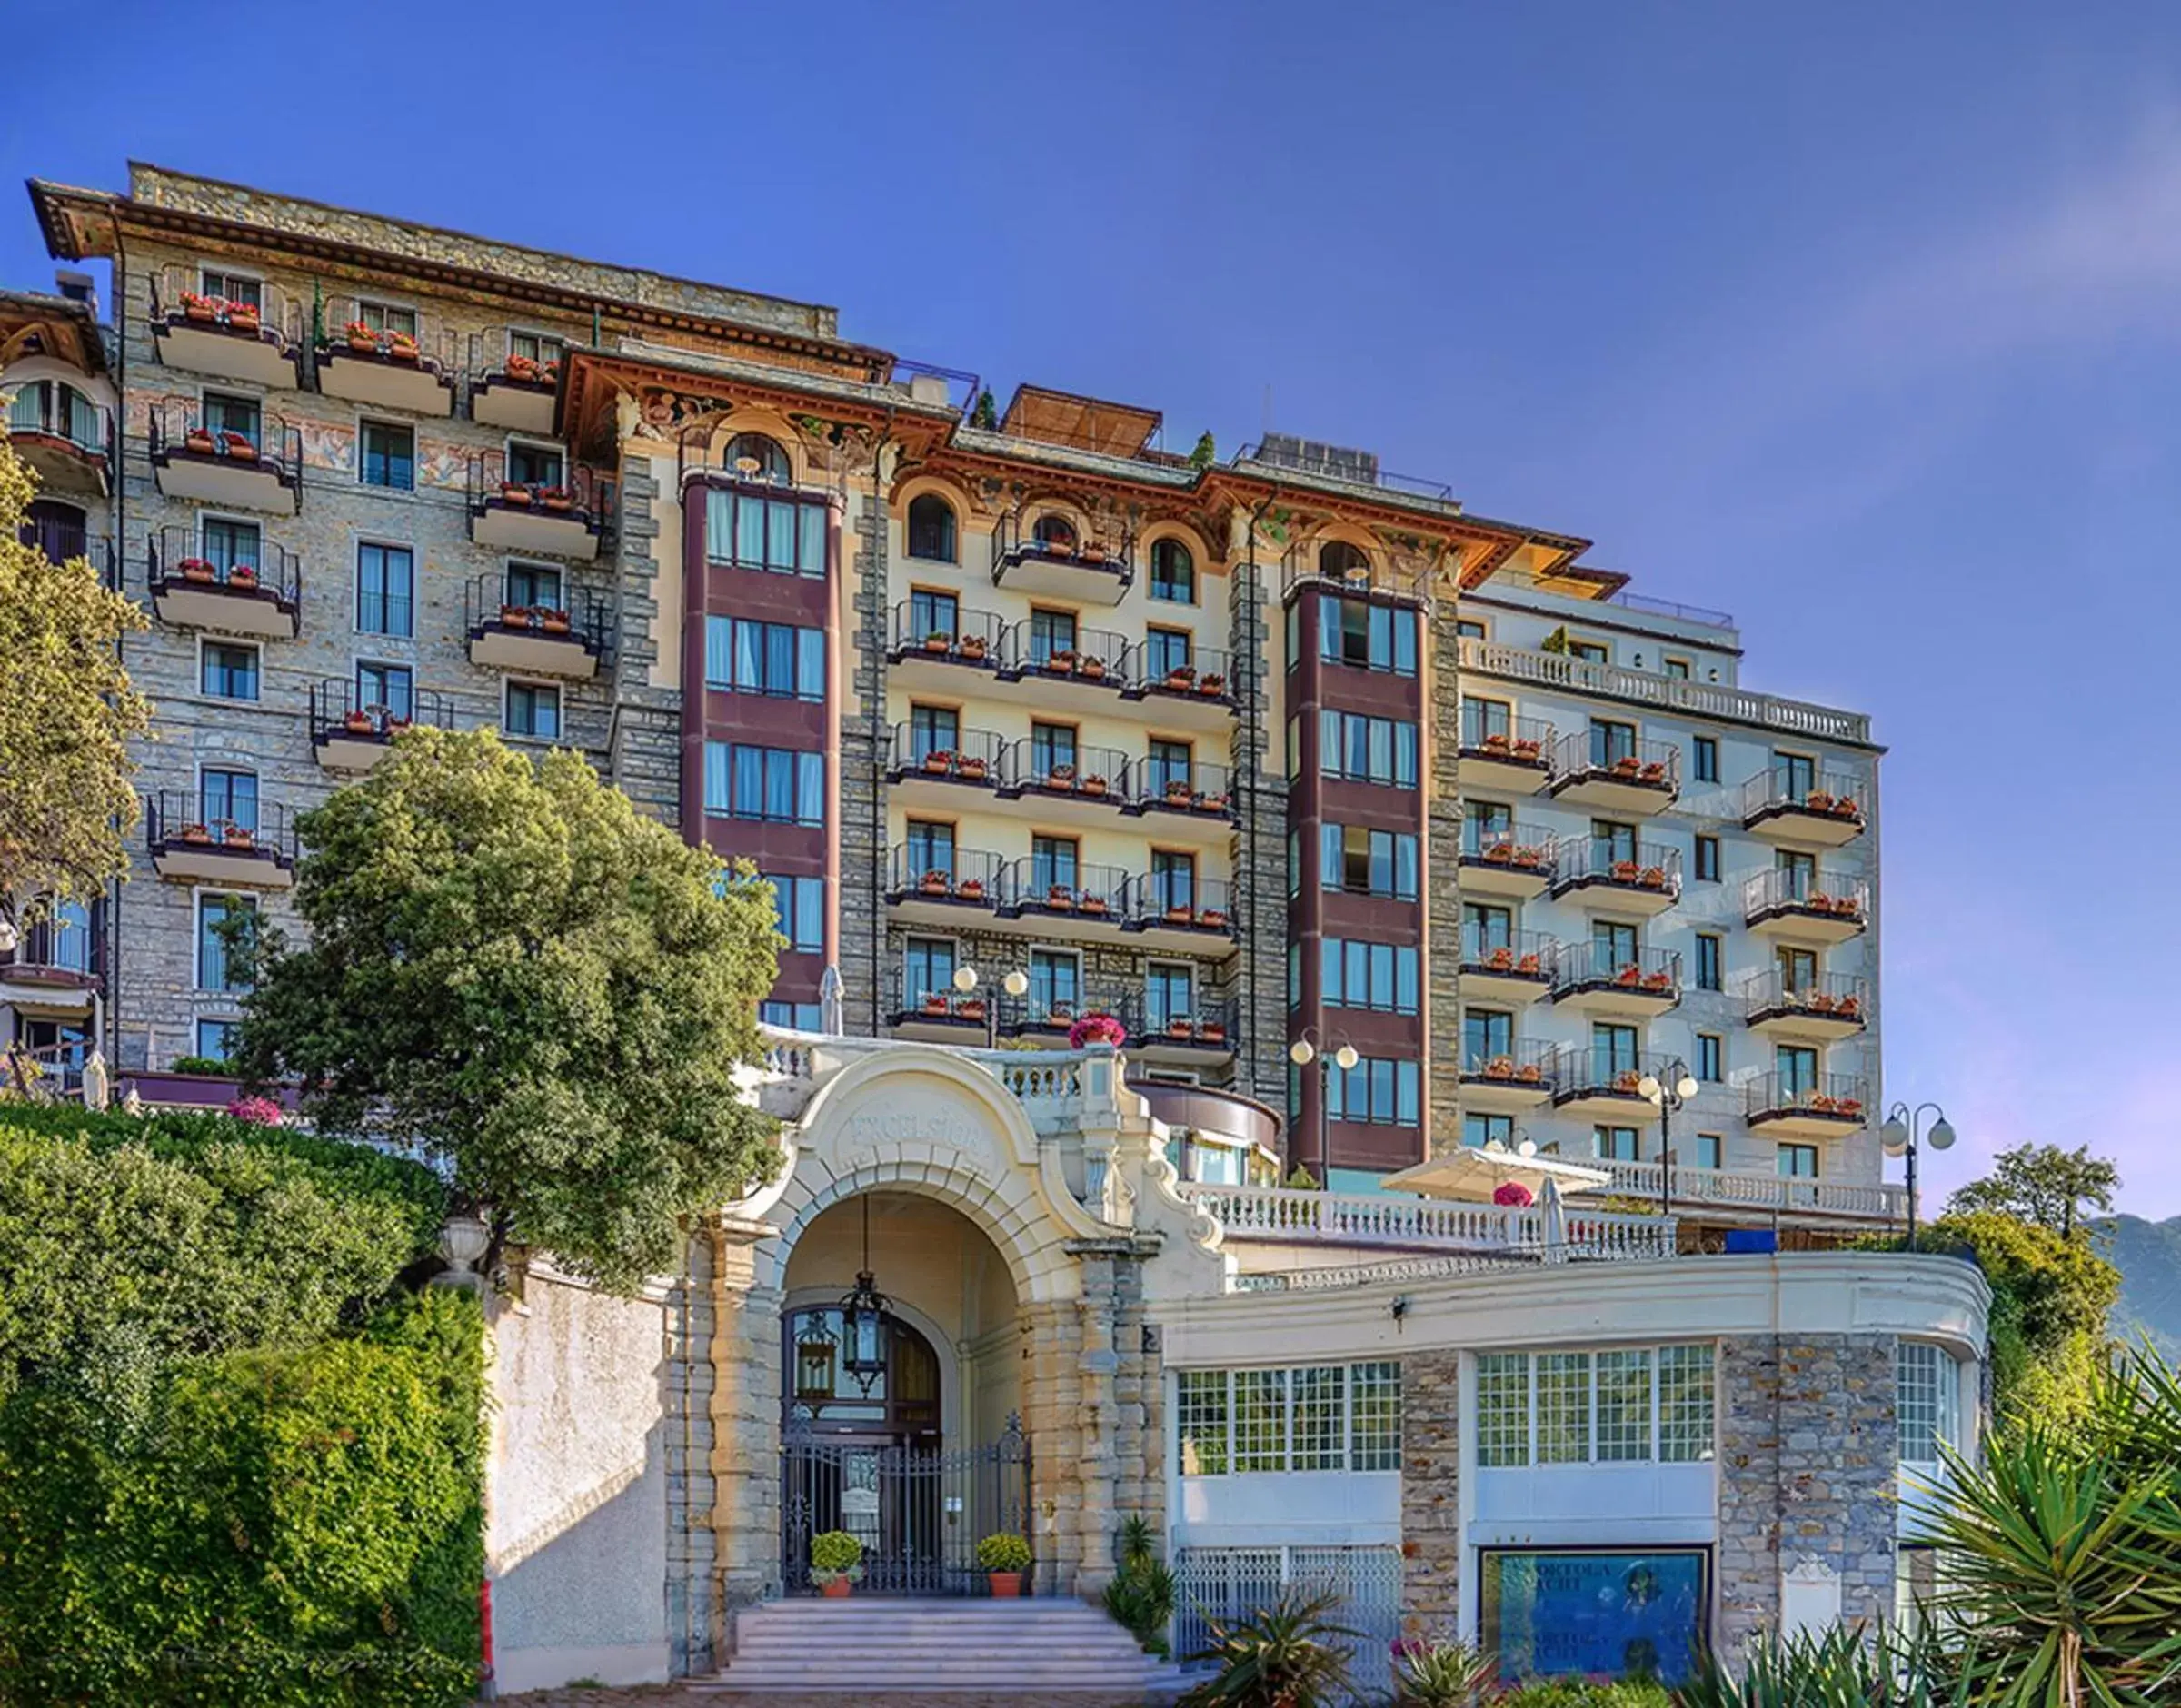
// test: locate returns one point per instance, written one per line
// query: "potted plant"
(357, 722)
(1850, 1008)
(199, 441)
(238, 446)
(1654, 772)
(1060, 777)
(1624, 871)
(242, 575)
(1499, 853)
(242, 317)
(552, 619)
(549, 372)
(973, 769)
(933, 882)
(200, 308)
(1094, 784)
(1531, 1073)
(1094, 552)
(935, 1002)
(514, 492)
(1653, 878)
(1527, 750)
(523, 368)
(971, 1008)
(1529, 857)
(1003, 1558)
(1850, 1106)
(1496, 745)
(972, 647)
(1212, 682)
(1213, 1031)
(514, 616)
(1529, 964)
(1092, 1029)
(938, 641)
(1499, 1067)
(1177, 916)
(1060, 898)
(836, 1562)
(1817, 800)
(1179, 678)
(1061, 662)
(360, 338)
(1092, 668)
(1626, 765)
(1213, 803)
(1844, 806)
(1629, 977)
(235, 836)
(1657, 982)
(1178, 1026)
(1500, 960)
(1627, 1080)
(198, 570)
(395, 723)
(1093, 904)
(556, 498)
(940, 760)
(1178, 792)
(971, 889)
(402, 346)
(197, 835)
(1214, 918)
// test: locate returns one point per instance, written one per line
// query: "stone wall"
(1261, 852)
(864, 741)
(1431, 1530)
(1808, 1453)
(1442, 883)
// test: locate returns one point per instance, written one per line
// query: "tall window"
(385, 589)
(771, 785)
(1612, 944)
(386, 687)
(389, 455)
(931, 613)
(1368, 862)
(931, 533)
(1797, 968)
(535, 347)
(228, 798)
(799, 911)
(1366, 749)
(1169, 993)
(1056, 982)
(1927, 1400)
(1168, 762)
(533, 465)
(216, 1039)
(226, 412)
(1050, 631)
(535, 585)
(1173, 879)
(1051, 748)
(215, 966)
(1612, 843)
(534, 708)
(1711, 1050)
(1611, 742)
(1612, 1051)
(1173, 573)
(785, 660)
(1166, 651)
(1708, 951)
(782, 532)
(228, 671)
(1711, 1151)
(932, 729)
(1052, 862)
(230, 545)
(1486, 927)
(931, 847)
(1797, 1065)
(1799, 870)
(1354, 632)
(1794, 775)
(1704, 759)
(1708, 860)
(1056, 533)
(1486, 1033)
(926, 968)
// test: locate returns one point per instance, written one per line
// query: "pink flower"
(1514, 1195)
(1097, 1029)
(257, 1111)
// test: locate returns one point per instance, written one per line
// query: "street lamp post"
(1667, 1095)
(1015, 983)
(1903, 1134)
(1302, 1052)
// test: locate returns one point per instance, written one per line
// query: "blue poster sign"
(1607, 1613)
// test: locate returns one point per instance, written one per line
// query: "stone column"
(690, 1320)
(1431, 1535)
(1052, 1417)
(746, 1424)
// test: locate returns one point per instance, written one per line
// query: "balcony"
(513, 390)
(230, 467)
(66, 439)
(1518, 863)
(1592, 977)
(1163, 1033)
(559, 522)
(1784, 1106)
(1183, 913)
(1199, 695)
(1643, 879)
(259, 342)
(51, 973)
(1507, 756)
(956, 892)
(1279, 1216)
(1514, 967)
(192, 844)
(946, 1016)
(1087, 676)
(1058, 564)
(1046, 1018)
(1079, 903)
(1511, 1081)
(564, 637)
(387, 369)
(956, 660)
(1069, 785)
(1820, 1007)
(350, 733)
(1596, 1085)
(1761, 1197)
(233, 593)
(1188, 800)
(1643, 781)
(1824, 809)
(926, 772)
(1799, 908)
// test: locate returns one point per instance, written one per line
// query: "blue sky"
(1861, 322)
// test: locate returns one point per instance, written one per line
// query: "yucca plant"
(1286, 1655)
(1841, 1668)
(1442, 1675)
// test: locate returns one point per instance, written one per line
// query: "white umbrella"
(1475, 1173)
(1556, 1221)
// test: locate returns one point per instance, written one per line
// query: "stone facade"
(1442, 869)
(1808, 1435)
(1432, 1539)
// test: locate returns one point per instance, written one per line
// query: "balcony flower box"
(1214, 918)
(935, 1003)
(1821, 1104)
(938, 642)
(523, 368)
(1094, 552)
(1653, 878)
(1213, 1031)
(198, 570)
(1849, 1107)
(1528, 964)
(1500, 854)
(1212, 683)
(1528, 751)
(1495, 744)
(1182, 678)
(1531, 857)
(933, 883)
(357, 723)
(235, 836)
(1064, 1012)
(1817, 800)
(1212, 803)
(402, 347)
(1092, 906)
(1500, 960)
(395, 725)
(1499, 1067)
(516, 616)
(1531, 1073)
(1059, 897)
(971, 769)
(556, 498)
(1844, 807)
(971, 1008)
(1658, 984)
(360, 338)
(196, 835)
(514, 492)
(549, 372)
(1626, 767)
(1629, 977)
(939, 761)
(1177, 916)
(1062, 777)
(199, 441)
(1627, 1080)
(1850, 1008)
(1624, 871)
(205, 309)
(238, 446)
(1654, 772)
(1179, 1026)
(242, 575)
(1178, 792)
(1818, 1002)
(1092, 669)
(1062, 663)
(971, 889)
(1094, 785)
(973, 648)
(554, 620)
(242, 317)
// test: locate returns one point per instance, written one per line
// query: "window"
(1482, 719)
(535, 585)
(799, 906)
(931, 529)
(1708, 947)
(1624, 1407)
(1801, 871)
(1798, 1162)
(227, 414)
(1704, 759)
(1612, 944)
(1368, 862)
(1056, 982)
(1927, 1400)
(1294, 749)
(1711, 1151)
(233, 287)
(1166, 651)
(384, 317)
(1485, 926)
(49, 406)
(1616, 1144)
(534, 708)
(1339, 560)
(782, 532)
(926, 968)
(1168, 994)
(1562, 1382)
(772, 785)
(1502, 1409)
(1611, 842)
(782, 660)
(1478, 1131)
(1052, 862)
(385, 589)
(1797, 968)
(1591, 651)
(1612, 1049)
(1173, 879)
(932, 612)
(230, 545)
(1794, 775)
(1632, 1405)
(216, 1039)
(766, 459)
(931, 847)
(1319, 1418)
(228, 798)
(1173, 573)
(535, 347)
(1052, 748)
(389, 456)
(1485, 1033)
(1056, 533)
(228, 671)
(1358, 975)
(1611, 741)
(1469, 631)
(1369, 637)
(797, 1016)
(386, 687)
(932, 729)
(1711, 1051)
(1375, 1090)
(1708, 860)
(1366, 749)
(1168, 762)
(533, 465)
(215, 970)
(1796, 1066)
(1676, 669)
(1050, 631)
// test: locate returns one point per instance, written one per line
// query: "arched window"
(1056, 533)
(931, 529)
(767, 458)
(1173, 572)
(1340, 562)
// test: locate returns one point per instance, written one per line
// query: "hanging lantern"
(864, 1321)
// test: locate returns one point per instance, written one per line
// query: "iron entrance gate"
(918, 1513)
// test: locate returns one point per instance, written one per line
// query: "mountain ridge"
(2148, 1256)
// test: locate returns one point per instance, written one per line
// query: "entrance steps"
(1037, 1650)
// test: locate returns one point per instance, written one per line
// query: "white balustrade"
(1335, 1218)
(1761, 1191)
(1703, 700)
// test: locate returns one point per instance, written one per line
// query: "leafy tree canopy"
(2042, 1184)
(550, 991)
(67, 714)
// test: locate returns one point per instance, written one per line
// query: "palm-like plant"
(1281, 1656)
(1442, 1675)
(1841, 1668)
(1140, 1596)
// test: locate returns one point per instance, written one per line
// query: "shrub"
(1002, 1552)
(1286, 1655)
(214, 1067)
(1584, 1692)
(1441, 1674)
(835, 1553)
(1141, 1595)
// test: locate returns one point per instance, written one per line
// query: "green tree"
(2050, 1296)
(67, 714)
(548, 991)
(2042, 1184)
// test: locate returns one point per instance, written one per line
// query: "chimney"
(76, 287)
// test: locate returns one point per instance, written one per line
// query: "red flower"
(1512, 1195)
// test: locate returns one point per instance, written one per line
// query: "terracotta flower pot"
(196, 835)
(837, 1590)
(516, 616)
(363, 343)
(554, 621)
(242, 575)
(973, 770)
(971, 889)
(200, 308)
(554, 499)
(514, 492)
(1005, 1585)
(241, 319)
(357, 723)
(200, 441)
(236, 836)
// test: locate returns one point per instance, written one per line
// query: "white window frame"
(204, 641)
(560, 709)
(198, 896)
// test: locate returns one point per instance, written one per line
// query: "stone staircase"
(1037, 1650)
